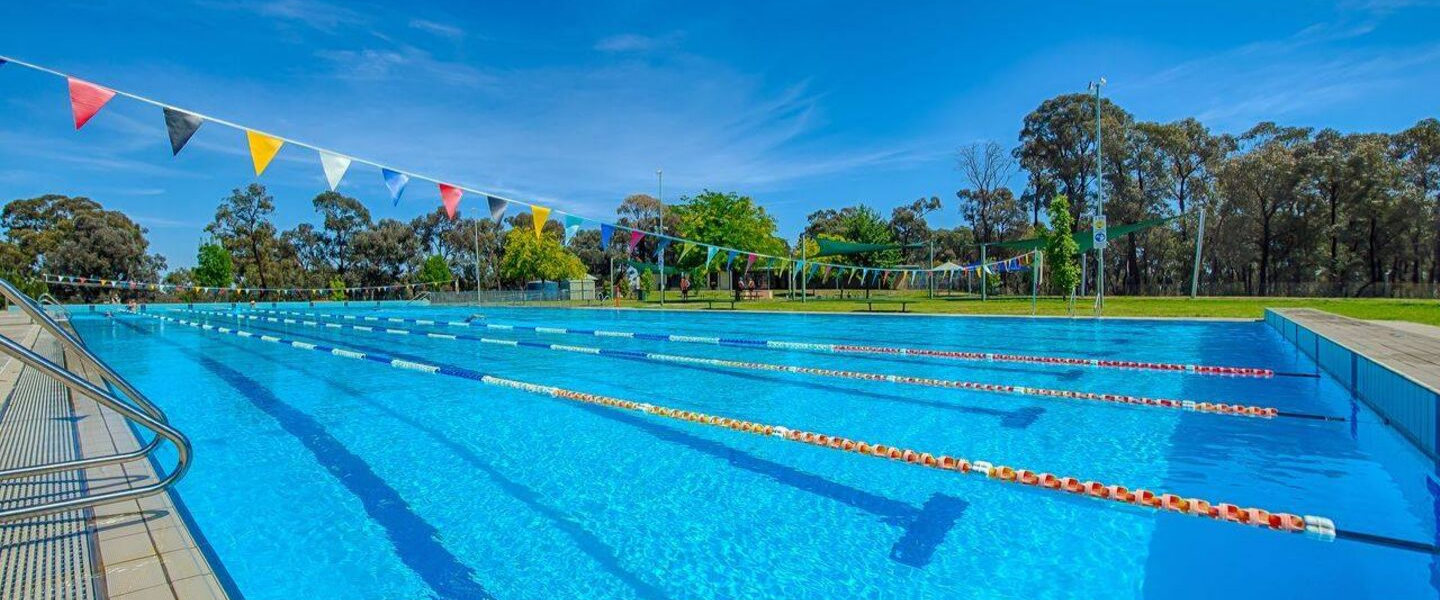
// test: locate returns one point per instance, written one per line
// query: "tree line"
(1288, 210)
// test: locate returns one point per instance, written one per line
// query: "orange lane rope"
(1318, 527)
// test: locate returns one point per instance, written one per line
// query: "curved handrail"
(70, 341)
(46, 299)
(145, 413)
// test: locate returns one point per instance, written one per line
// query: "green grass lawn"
(1419, 311)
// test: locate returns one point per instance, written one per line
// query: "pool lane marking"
(922, 528)
(1314, 526)
(1240, 410)
(416, 542)
(840, 348)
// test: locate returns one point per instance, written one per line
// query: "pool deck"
(133, 550)
(1410, 349)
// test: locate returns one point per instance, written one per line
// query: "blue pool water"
(324, 478)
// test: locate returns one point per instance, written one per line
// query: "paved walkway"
(135, 550)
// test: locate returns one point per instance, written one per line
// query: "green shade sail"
(1083, 237)
(843, 248)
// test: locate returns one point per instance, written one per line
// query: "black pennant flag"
(181, 126)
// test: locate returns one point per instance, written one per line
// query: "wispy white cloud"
(634, 42)
(1293, 77)
(165, 223)
(317, 14)
(436, 28)
(399, 63)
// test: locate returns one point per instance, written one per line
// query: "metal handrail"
(46, 299)
(144, 413)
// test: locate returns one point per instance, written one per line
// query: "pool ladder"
(139, 410)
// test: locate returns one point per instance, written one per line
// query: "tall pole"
(477, 262)
(983, 276)
(804, 268)
(930, 278)
(660, 227)
(1099, 203)
(1199, 243)
(1035, 267)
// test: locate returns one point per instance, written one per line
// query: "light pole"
(660, 227)
(1099, 205)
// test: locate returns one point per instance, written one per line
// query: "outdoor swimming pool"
(320, 477)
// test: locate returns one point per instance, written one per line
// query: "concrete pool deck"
(133, 550)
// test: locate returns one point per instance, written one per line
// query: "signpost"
(1100, 232)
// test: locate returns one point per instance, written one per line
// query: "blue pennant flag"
(730, 258)
(606, 232)
(396, 181)
(660, 249)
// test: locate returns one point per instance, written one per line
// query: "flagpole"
(660, 227)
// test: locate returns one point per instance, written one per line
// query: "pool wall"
(1408, 406)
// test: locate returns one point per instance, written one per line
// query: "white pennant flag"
(335, 167)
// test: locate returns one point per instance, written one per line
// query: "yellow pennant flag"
(262, 149)
(540, 214)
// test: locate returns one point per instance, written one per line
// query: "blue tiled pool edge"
(1409, 407)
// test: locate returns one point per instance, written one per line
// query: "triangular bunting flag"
(539, 215)
(750, 262)
(660, 249)
(607, 231)
(262, 149)
(635, 239)
(450, 197)
(396, 181)
(335, 167)
(572, 225)
(180, 125)
(497, 207)
(86, 99)
(710, 254)
(685, 249)
(730, 258)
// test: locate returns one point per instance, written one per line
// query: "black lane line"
(416, 542)
(584, 539)
(923, 529)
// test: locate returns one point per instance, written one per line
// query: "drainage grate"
(48, 557)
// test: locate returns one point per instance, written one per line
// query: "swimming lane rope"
(1241, 410)
(1316, 527)
(825, 347)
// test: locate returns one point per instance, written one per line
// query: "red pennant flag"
(635, 239)
(86, 99)
(450, 195)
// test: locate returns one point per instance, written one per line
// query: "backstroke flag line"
(87, 99)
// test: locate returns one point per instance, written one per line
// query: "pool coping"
(1365, 358)
(146, 549)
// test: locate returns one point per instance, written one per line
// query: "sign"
(1100, 233)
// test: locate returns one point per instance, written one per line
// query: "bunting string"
(87, 99)
(122, 284)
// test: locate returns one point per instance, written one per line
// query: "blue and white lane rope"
(1316, 527)
(824, 347)
(1239, 410)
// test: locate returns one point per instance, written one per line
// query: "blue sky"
(802, 105)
